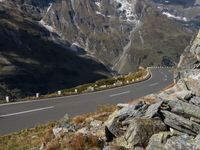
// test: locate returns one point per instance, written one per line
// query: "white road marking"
(153, 84)
(27, 111)
(120, 94)
(165, 79)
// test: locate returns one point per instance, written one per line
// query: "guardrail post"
(7, 99)
(37, 95)
(76, 91)
(59, 92)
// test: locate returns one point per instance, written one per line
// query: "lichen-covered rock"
(183, 142)
(191, 57)
(157, 141)
(84, 130)
(115, 124)
(180, 123)
(189, 80)
(184, 95)
(185, 109)
(97, 129)
(153, 109)
(141, 129)
(197, 142)
(195, 101)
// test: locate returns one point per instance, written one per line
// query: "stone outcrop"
(191, 57)
(141, 129)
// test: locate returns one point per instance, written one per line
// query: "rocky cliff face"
(188, 77)
(191, 56)
(32, 61)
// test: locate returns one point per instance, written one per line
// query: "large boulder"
(153, 110)
(189, 80)
(168, 141)
(191, 57)
(184, 109)
(180, 123)
(195, 101)
(114, 124)
(141, 129)
(182, 142)
(157, 141)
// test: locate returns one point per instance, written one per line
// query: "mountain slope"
(32, 62)
(111, 31)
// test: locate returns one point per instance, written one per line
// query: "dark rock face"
(31, 61)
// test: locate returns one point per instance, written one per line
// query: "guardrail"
(94, 88)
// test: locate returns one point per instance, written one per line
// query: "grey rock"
(195, 100)
(84, 130)
(65, 119)
(180, 123)
(183, 142)
(59, 131)
(115, 122)
(157, 141)
(141, 129)
(185, 109)
(195, 120)
(197, 147)
(190, 77)
(191, 57)
(175, 132)
(184, 95)
(153, 109)
(95, 123)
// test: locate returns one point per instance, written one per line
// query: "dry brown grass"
(25, 139)
(147, 100)
(81, 142)
(102, 113)
(30, 138)
(53, 145)
(48, 136)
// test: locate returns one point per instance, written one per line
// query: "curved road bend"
(18, 116)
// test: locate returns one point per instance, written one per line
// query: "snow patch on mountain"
(99, 13)
(48, 9)
(127, 7)
(98, 4)
(175, 17)
(45, 25)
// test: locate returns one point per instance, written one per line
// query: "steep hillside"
(191, 56)
(31, 61)
(113, 31)
(120, 33)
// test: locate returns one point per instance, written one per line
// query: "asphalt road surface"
(18, 116)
